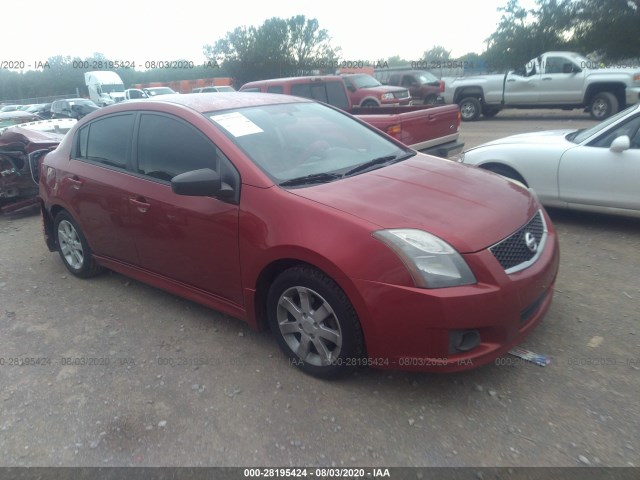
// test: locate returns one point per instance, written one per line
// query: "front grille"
(403, 94)
(522, 248)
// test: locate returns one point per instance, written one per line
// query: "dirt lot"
(110, 372)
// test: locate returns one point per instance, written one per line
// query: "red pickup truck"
(431, 129)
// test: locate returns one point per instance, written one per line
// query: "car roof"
(208, 102)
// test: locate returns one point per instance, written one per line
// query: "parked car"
(154, 91)
(366, 91)
(564, 80)
(220, 88)
(430, 129)
(10, 108)
(14, 117)
(72, 108)
(351, 247)
(596, 169)
(424, 87)
(17, 184)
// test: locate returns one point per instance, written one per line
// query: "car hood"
(465, 206)
(546, 137)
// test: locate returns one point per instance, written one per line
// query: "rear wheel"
(314, 323)
(603, 105)
(73, 247)
(469, 109)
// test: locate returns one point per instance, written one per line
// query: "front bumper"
(409, 328)
(633, 95)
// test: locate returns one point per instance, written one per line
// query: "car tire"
(314, 323)
(470, 109)
(603, 105)
(369, 104)
(507, 172)
(73, 247)
(430, 100)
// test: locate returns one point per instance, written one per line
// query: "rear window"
(332, 93)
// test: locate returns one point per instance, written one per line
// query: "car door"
(192, 240)
(522, 89)
(98, 196)
(561, 81)
(595, 175)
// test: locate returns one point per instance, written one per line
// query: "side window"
(106, 141)
(274, 89)
(406, 80)
(630, 128)
(168, 147)
(337, 96)
(557, 65)
(301, 90)
(394, 79)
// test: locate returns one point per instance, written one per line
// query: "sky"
(135, 31)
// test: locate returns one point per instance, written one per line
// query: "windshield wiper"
(378, 161)
(309, 179)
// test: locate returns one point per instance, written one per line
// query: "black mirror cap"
(197, 183)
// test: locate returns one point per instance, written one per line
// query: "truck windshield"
(110, 88)
(303, 143)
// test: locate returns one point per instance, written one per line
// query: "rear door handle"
(140, 204)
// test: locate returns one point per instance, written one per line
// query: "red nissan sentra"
(352, 248)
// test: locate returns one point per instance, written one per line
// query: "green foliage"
(437, 53)
(277, 48)
(607, 28)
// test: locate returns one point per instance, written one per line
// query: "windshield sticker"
(236, 124)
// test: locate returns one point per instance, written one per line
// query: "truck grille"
(403, 94)
(522, 248)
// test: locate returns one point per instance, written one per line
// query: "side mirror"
(576, 69)
(620, 144)
(201, 183)
(351, 88)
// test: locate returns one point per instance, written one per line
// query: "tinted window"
(168, 147)
(275, 89)
(337, 95)
(629, 128)
(107, 140)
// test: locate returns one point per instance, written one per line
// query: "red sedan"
(352, 248)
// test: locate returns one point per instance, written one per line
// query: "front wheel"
(369, 104)
(314, 323)
(73, 247)
(603, 105)
(470, 109)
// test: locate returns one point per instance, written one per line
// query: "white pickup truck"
(563, 80)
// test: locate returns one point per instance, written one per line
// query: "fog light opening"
(463, 340)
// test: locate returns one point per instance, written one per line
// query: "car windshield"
(580, 136)
(427, 77)
(299, 144)
(364, 81)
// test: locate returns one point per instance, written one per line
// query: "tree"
(523, 34)
(608, 27)
(437, 53)
(277, 48)
(397, 61)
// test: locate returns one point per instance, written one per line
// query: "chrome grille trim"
(514, 245)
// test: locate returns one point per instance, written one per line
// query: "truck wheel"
(603, 105)
(369, 104)
(469, 109)
(430, 100)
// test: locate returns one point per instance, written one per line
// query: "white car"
(595, 169)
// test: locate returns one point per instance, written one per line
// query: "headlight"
(432, 262)
(387, 96)
(458, 158)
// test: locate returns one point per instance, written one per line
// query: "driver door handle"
(140, 204)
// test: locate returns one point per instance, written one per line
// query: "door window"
(106, 141)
